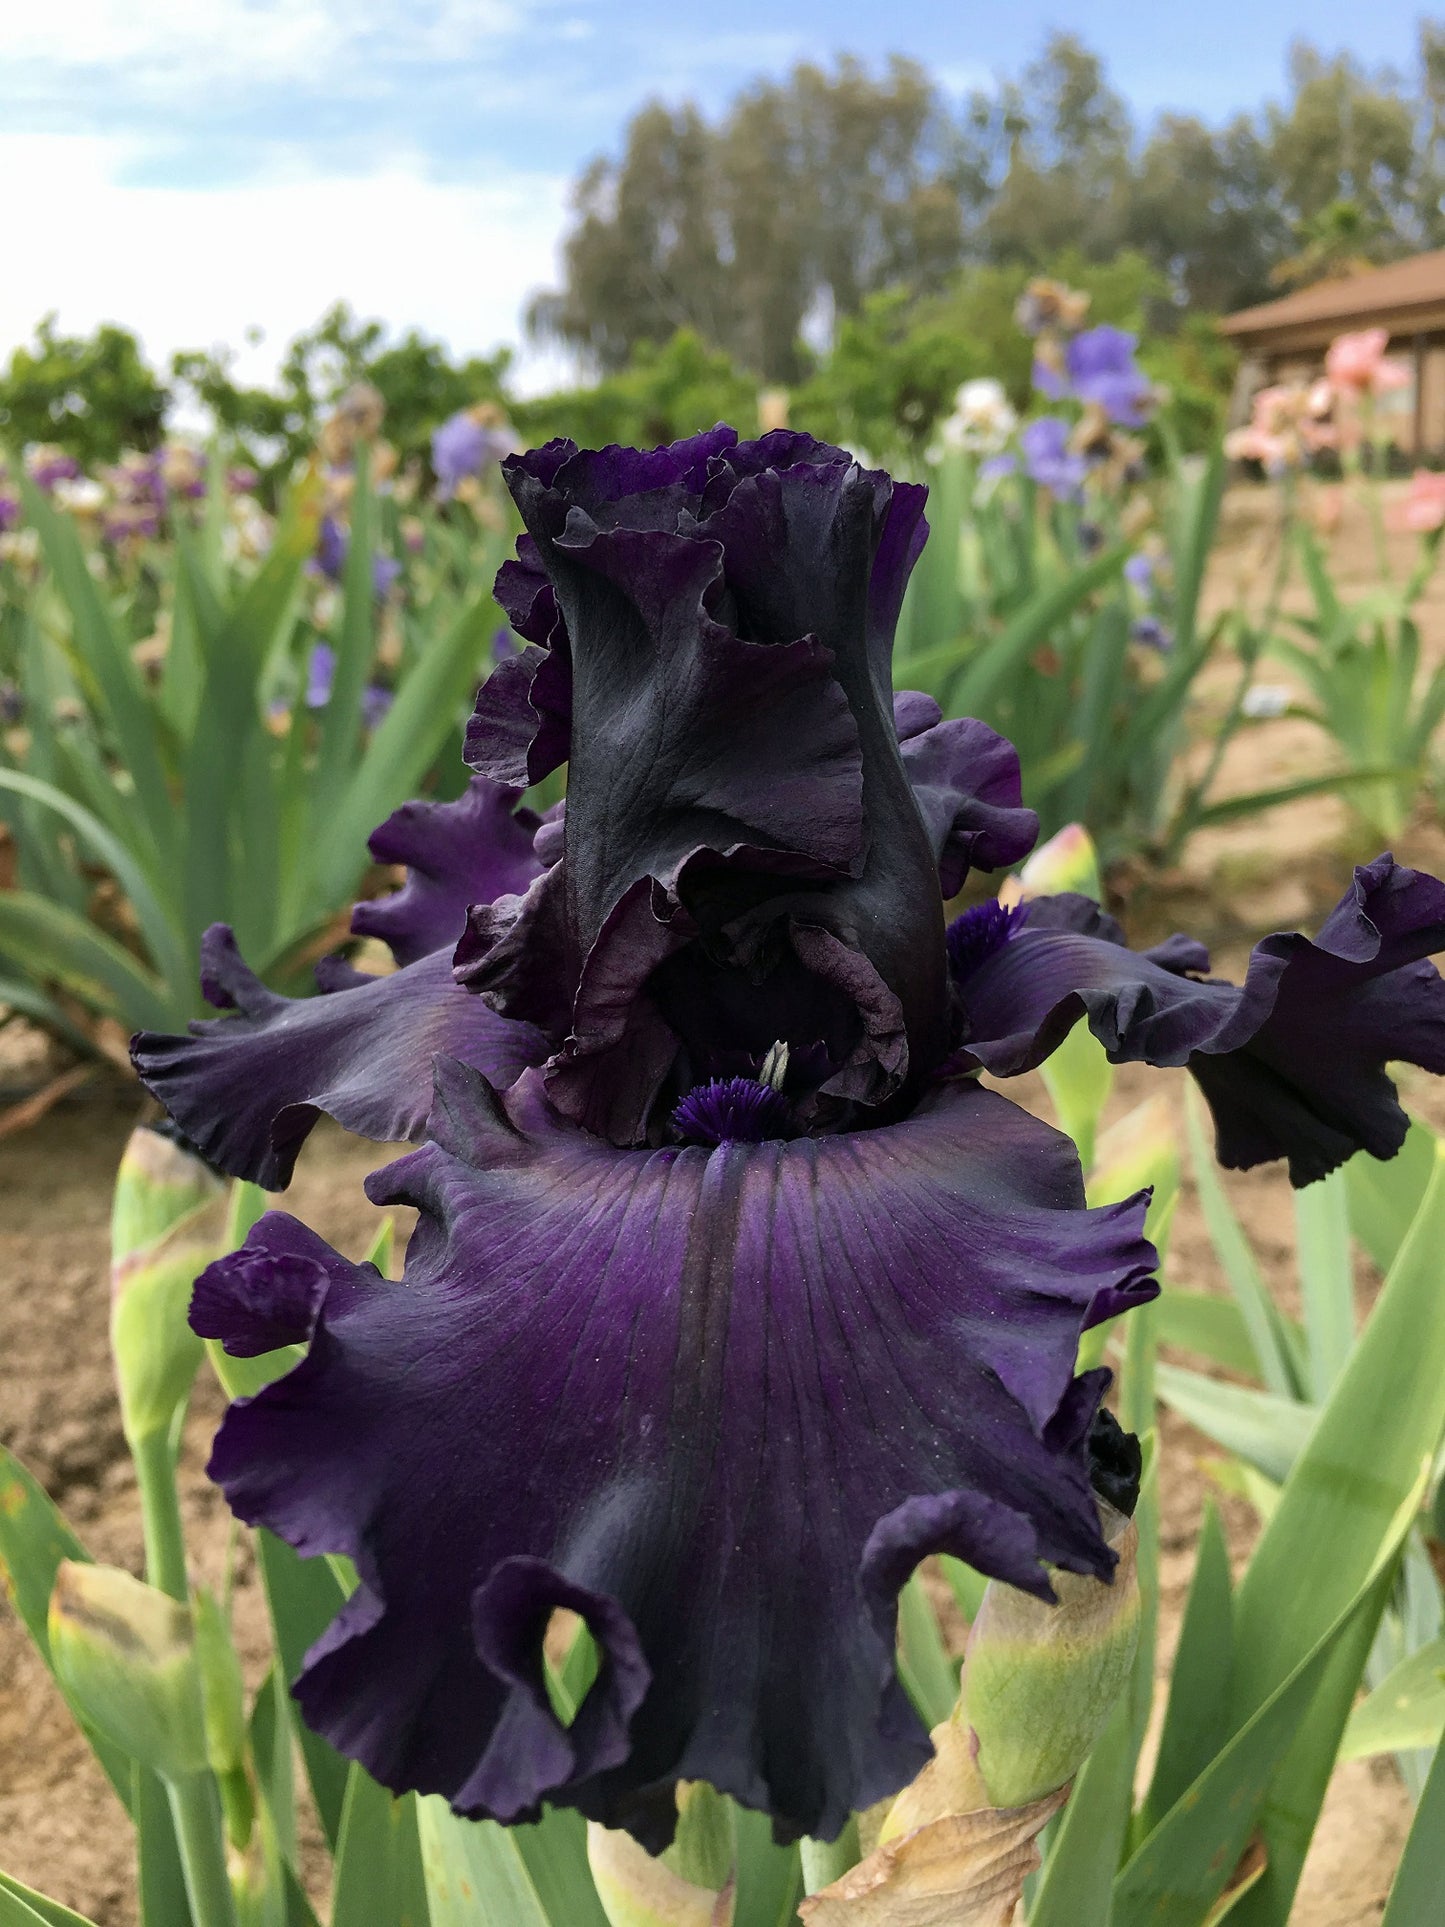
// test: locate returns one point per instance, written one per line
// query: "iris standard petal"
(967, 785)
(737, 804)
(468, 851)
(719, 1401)
(246, 1090)
(1292, 1062)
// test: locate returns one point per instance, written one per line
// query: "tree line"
(759, 230)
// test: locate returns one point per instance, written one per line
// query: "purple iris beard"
(729, 1299)
(732, 1110)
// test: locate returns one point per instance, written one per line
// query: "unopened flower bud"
(1068, 861)
(167, 1224)
(1140, 1153)
(126, 1656)
(1040, 1681)
(691, 1884)
(1078, 1075)
(159, 1182)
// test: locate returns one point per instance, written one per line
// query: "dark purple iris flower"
(332, 546)
(733, 1294)
(1100, 370)
(1151, 633)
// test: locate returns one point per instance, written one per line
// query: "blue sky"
(197, 167)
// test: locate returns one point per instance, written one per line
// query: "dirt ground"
(61, 1828)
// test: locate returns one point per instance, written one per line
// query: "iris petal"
(737, 803)
(246, 1090)
(467, 851)
(720, 1401)
(968, 788)
(1292, 1062)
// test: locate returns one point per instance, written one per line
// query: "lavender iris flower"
(1100, 370)
(9, 511)
(463, 446)
(375, 703)
(1139, 570)
(320, 675)
(733, 1294)
(1049, 460)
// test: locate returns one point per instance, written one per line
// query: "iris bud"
(1068, 861)
(1140, 1153)
(692, 1884)
(1040, 1681)
(1078, 1075)
(159, 1183)
(126, 1656)
(167, 1224)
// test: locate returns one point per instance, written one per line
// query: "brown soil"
(61, 1828)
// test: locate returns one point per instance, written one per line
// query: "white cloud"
(193, 42)
(187, 268)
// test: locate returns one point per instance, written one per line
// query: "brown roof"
(1388, 295)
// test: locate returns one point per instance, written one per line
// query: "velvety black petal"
(1292, 1061)
(521, 727)
(720, 1402)
(900, 544)
(1310, 1084)
(524, 592)
(468, 851)
(734, 775)
(247, 1089)
(968, 789)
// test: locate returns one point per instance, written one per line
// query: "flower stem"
(165, 1548)
(825, 1861)
(196, 1810)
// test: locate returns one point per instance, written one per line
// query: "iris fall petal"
(246, 1090)
(719, 1401)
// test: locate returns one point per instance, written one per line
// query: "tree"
(94, 396)
(1069, 160)
(645, 257)
(1346, 137)
(1202, 212)
(812, 193)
